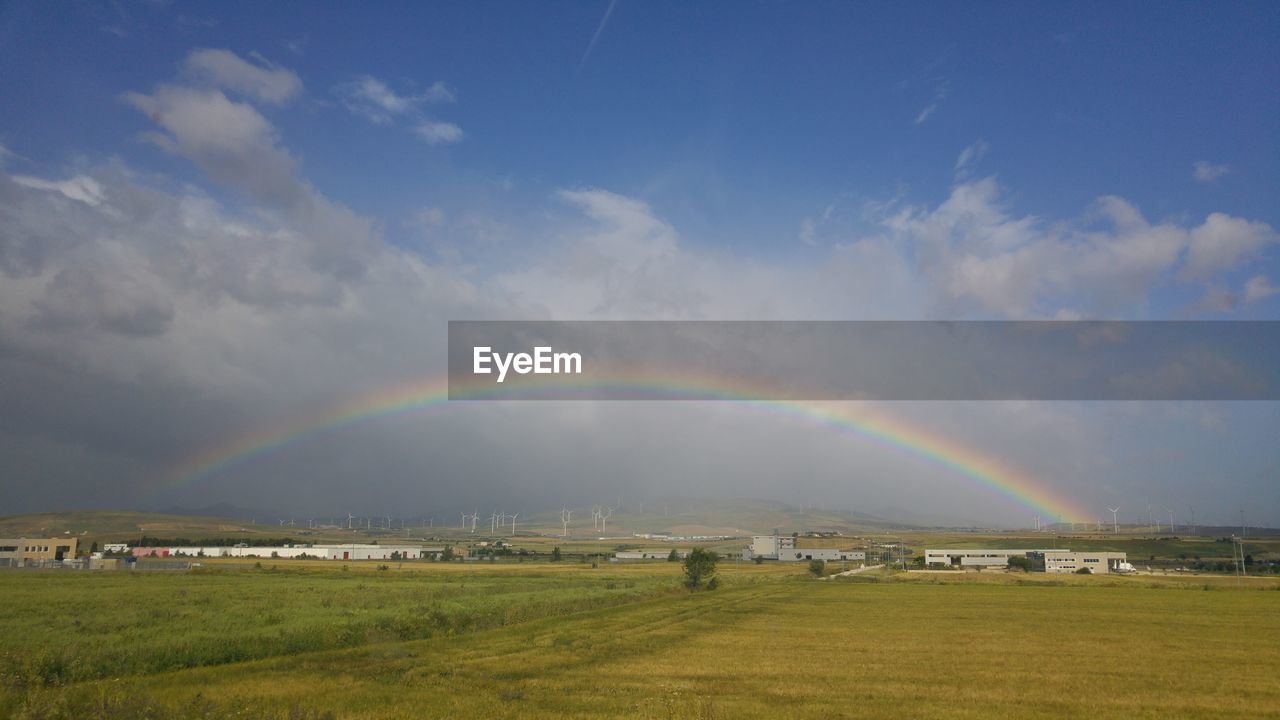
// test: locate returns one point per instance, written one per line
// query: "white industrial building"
(1055, 560)
(977, 557)
(348, 551)
(783, 548)
(1066, 561)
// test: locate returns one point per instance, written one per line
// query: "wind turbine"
(513, 524)
(565, 514)
(493, 524)
(464, 521)
(350, 517)
(1171, 528)
(1115, 525)
(604, 519)
(474, 516)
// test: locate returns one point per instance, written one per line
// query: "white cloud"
(808, 232)
(375, 100)
(81, 187)
(1223, 243)
(1215, 300)
(236, 146)
(430, 217)
(438, 92)
(223, 68)
(1259, 287)
(228, 317)
(971, 155)
(980, 259)
(438, 133)
(941, 88)
(230, 140)
(1205, 171)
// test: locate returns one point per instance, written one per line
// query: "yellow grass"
(775, 644)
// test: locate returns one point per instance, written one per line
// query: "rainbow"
(867, 421)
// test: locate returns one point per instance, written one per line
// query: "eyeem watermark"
(891, 360)
(543, 361)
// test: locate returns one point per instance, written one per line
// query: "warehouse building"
(348, 551)
(977, 557)
(1066, 561)
(29, 551)
(783, 548)
(1055, 560)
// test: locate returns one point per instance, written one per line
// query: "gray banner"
(911, 360)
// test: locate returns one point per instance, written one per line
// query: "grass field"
(310, 640)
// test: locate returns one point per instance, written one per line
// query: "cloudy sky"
(220, 219)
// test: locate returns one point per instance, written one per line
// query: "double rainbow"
(866, 420)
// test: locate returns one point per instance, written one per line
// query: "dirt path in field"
(855, 571)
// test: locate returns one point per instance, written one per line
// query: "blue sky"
(732, 120)
(186, 184)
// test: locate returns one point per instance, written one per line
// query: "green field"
(311, 640)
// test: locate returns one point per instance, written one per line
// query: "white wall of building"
(796, 554)
(1098, 563)
(327, 552)
(975, 557)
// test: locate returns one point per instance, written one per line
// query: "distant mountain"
(709, 516)
(124, 525)
(226, 510)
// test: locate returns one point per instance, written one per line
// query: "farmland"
(568, 640)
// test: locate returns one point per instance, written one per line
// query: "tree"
(700, 569)
(555, 554)
(447, 555)
(818, 567)
(673, 556)
(1026, 564)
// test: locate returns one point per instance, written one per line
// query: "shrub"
(700, 568)
(818, 567)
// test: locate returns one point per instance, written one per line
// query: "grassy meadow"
(311, 640)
